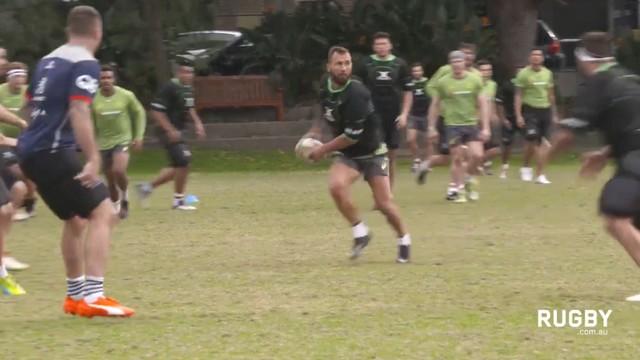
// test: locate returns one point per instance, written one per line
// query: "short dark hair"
(416, 64)
(107, 67)
(483, 62)
(467, 46)
(597, 43)
(82, 19)
(537, 48)
(16, 65)
(381, 35)
(337, 50)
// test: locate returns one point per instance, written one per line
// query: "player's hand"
(89, 175)
(136, 145)
(506, 124)
(317, 154)
(485, 135)
(433, 134)
(592, 164)
(556, 119)
(520, 122)
(174, 135)
(22, 124)
(401, 121)
(201, 134)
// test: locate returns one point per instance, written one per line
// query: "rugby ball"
(305, 146)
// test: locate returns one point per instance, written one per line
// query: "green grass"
(260, 271)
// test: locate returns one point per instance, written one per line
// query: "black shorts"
(5, 195)
(388, 116)
(509, 133)
(418, 123)
(9, 156)
(53, 174)
(368, 167)
(8, 178)
(179, 154)
(107, 155)
(461, 134)
(537, 123)
(443, 142)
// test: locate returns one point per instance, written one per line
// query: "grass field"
(260, 271)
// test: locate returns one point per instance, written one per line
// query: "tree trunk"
(516, 25)
(153, 15)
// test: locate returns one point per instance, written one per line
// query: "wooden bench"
(238, 91)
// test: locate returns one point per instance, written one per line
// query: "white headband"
(584, 55)
(16, 72)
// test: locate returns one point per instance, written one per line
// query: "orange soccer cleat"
(104, 306)
(70, 306)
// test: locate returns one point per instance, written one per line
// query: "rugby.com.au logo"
(587, 322)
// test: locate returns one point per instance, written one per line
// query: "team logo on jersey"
(384, 75)
(328, 114)
(87, 83)
(42, 85)
(419, 92)
(188, 102)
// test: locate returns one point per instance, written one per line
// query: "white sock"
(505, 166)
(93, 289)
(405, 240)
(360, 230)
(424, 165)
(178, 199)
(3, 271)
(75, 288)
(124, 195)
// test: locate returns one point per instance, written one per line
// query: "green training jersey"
(490, 90)
(12, 102)
(443, 71)
(535, 86)
(459, 97)
(119, 118)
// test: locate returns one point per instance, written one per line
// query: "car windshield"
(204, 40)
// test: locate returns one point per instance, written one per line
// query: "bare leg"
(180, 179)
(623, 230)
(6, 212)
(72, 247)
(166, 175)
(119, 170)
(392, 167)
(412, 141)
(476, 156)
(529, 151)
(111, 183)
(341, 177)
(96, 247)
(384, 202)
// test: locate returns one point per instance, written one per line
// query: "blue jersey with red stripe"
(68, 73)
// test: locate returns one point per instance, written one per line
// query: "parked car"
(554, 58)
(215, 52)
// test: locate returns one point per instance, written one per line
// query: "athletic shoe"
(70, 306)
(359, 244)
(124, 209)
(634, 298)
(415, 165)
(184, 207)
(503, 172)
(471, 188)
(526, 174)
(143, 190)
(403, 254)
(422, 172)
(452, 194)
(461, 197)
(487, 168)
(9, 286)
(21, 215)
(104, 306)
(12, 264)
(542, 180)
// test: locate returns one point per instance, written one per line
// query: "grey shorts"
(462, 134)
(418, 123)
(368, 167)
(107, 155)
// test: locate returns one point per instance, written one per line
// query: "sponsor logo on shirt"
(384, 75)
(87, 83)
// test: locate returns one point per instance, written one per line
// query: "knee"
(118, 172)
(386, 206)
(6, 211)
(337, 188)
(615, 225)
